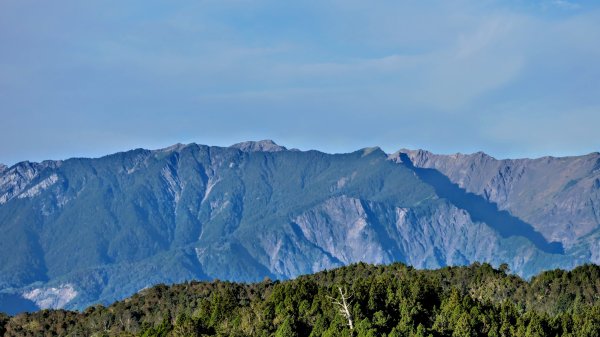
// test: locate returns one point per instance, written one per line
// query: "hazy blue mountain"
(82, 231)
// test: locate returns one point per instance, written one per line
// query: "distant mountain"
(82, 231)
(558, 197)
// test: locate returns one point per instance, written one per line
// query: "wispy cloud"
(566, 4)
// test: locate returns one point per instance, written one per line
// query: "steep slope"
(558, 197)
(82, 231)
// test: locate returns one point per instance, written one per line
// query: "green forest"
(393, 300)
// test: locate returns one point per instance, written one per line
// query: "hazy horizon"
(387, 151)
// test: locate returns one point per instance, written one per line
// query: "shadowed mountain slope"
(560, 197)
(481, 209)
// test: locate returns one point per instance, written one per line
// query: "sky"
(513, 78)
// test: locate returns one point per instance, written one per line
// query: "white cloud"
(566, 4)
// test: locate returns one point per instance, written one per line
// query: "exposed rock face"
(594, 248)
(340, 226)
(559, 197)
(445, 236)
(17, 178)
(51, 298)
(36, 189)
(111, 226)
(437, 235)
(13, 181)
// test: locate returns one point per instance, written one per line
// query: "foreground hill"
(84, 231)
(389, 301)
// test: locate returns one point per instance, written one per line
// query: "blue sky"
(511, 78)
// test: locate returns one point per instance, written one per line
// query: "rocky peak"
(417, 157)
(266, 145)
(372, 150)
(173, 148)
(15, 179)
(421, 158)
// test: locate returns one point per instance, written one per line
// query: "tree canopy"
(394, 300)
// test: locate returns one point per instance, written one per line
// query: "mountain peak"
(266, 145)
(420, 154)
(411, 154)
(369, 150)
(174, 147)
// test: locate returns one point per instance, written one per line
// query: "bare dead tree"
(344, 305)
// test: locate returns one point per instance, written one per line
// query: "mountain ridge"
(266, 144)
(508, 182)
(76, 228)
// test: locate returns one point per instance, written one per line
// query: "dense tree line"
(391, 301)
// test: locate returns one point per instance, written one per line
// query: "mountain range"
(82, 231)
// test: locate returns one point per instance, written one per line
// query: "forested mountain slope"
(84, 231)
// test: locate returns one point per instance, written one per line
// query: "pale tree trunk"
(344, 305)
